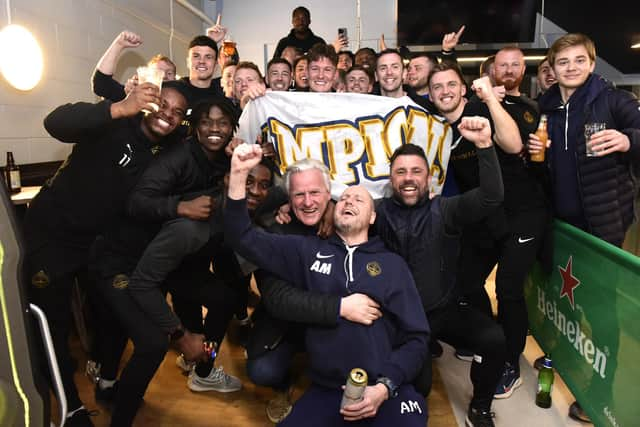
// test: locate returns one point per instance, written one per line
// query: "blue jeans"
(271, 368)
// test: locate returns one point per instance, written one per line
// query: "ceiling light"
(21, 60)
(635, 46)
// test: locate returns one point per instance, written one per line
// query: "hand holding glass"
(153, 75)
(589, 130)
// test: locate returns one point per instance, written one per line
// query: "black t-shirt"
(196, 95)
(522, 191)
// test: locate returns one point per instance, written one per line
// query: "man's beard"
(510, 84)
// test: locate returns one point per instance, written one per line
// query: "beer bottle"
(542, 134)
(545, 384)
(12, 174)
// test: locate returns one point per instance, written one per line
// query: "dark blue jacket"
(594, 193)
(394, 346)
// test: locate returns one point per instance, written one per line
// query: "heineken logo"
(573, 332)
(569, 282)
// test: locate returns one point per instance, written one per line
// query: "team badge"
(374, 269)
(40, 280)
(120, 281)
(528, 117)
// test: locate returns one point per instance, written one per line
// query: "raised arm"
(507, 135)
(126, 39)
(277, 254)
(71, 122)
(475, 204)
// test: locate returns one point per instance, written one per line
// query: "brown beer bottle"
(12, 174)
(542, 134)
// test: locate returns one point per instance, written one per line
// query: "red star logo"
(569, 282)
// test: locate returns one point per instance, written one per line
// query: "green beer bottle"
(545, 384)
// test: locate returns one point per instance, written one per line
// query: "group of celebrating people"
(170, 201)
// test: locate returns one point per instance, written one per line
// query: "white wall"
(73, 35)
(269, 21)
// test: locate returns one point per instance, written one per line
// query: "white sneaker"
(217, 380)
(183, 364)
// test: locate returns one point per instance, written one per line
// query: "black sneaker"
(577, 413)
(479, 418)
(80, 419)
(106, 396)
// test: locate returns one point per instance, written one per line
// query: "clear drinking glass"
(151, 74)
(589, 130)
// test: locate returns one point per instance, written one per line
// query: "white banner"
(353, 134)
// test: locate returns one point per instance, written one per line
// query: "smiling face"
(279, 77)
(214, 130)
(546, 76)
(226, 80)
(390, 74)
(322, 74)
(161, 123)
(508, 69)
(354, 211)
(418, 74)
(308, 196)
(301, 77)
(446, 91)
(358, 82)
(572, 67)
(201, 63)
(409, 179)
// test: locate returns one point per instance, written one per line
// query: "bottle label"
(14, 179)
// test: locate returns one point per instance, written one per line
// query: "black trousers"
(461, 325)
(51, 271)
(151, 342)
(515, 255)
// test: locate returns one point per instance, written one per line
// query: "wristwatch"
(390, 385)
(177, 333)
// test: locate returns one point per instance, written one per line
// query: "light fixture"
(482, 58)
(635, 46)
(21, 60)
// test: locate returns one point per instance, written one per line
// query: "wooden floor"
(169, 402)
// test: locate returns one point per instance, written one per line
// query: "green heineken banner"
(586, 315)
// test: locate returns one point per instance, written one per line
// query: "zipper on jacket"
(566, 128)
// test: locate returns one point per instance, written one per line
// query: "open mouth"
(215, 138)
(163, 123)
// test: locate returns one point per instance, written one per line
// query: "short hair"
(268, 163)
(445, 66)
(323, 50)
(230, 64)
(249, 66)
(545, 59)
(303, 10)
(278, 61)
(408, 150)
(390, 52)
(161, 58)
(348, 53)
(178, 86)
(202, 110)
(367, 71)
(510, 48)
(304, 165)
(365, 49)
(486, 64)
(570, 40)
(203, 40)
(433, 61)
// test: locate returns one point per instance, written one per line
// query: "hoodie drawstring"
(349, 259)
